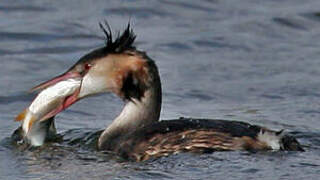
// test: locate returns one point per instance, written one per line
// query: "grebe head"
(117, 67)
(121, 69)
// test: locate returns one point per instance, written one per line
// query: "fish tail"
(21, 116)
(28, 119)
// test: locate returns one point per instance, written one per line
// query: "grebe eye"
(87, 66)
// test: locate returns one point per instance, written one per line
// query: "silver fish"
(50, 101)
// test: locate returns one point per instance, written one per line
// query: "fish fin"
(21, 116)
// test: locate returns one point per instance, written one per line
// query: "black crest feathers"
(123, 42)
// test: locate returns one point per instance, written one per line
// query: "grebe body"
(198, 136)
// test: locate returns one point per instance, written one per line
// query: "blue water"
(253, 61)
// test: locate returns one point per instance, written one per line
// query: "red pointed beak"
(55, 80)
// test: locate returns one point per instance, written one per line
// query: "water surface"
(253, 61)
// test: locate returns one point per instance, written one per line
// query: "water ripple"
(312, 15)
(28, 36)
(190, 6)
(24, 8)
(291, 23)
(53, 50)
(141, 12)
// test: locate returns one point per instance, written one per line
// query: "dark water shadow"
(315, 16)
(190, 6)
(290, 23)
(42, 37)
(139, 12)
(24, 8)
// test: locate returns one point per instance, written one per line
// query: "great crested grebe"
(137, 134)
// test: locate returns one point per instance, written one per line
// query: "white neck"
(135, 114)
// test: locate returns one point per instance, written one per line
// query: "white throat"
(135, 114)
